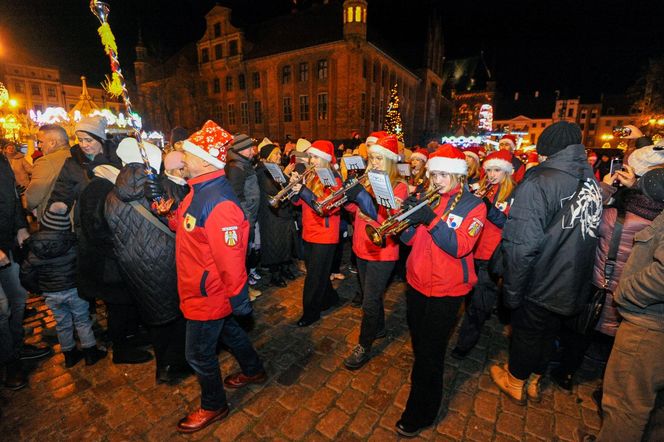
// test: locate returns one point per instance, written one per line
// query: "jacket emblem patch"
(475, 227)
(189, 222)
(230, 236)
(454, 221)
(501, 206)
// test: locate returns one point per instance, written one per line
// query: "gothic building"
(316, 73)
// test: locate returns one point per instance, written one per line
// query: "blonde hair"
(272, 157)
(313, 182)
(458, 180)
(390, 167)
(473, 168)
(506, 186)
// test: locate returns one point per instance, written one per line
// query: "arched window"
(349, 14)
(358, 14)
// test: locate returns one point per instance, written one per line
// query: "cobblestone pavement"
(309, 394)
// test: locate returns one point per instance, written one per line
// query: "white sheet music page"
(326, 176)
(382, 189)
(403, 169)
(353, 163)
(275, 171)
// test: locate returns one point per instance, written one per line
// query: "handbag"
(587, 319)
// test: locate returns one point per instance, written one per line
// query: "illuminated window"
(322, 69)
(322, 106)
(364, 15)
(35, 89)
(304, 71)
(349, 14)
(18, 87)
(358, 14)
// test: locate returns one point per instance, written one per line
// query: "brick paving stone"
(379, 400)
(402, 396)
(363, 381)
(321, 399)
(263, 401)
(566, 403)
(232, 426)
(272, 419)
(452, 425)
(389, 419)
(363, 422)
(591, 419)
(509, 406)
(486, 405)
(294, 396)
(462, 403)
(478, 429)
(539, 423)
(565, 427)
(383, 435)
(332, 422)
(510, 425)
(350, 400)
(299, 423)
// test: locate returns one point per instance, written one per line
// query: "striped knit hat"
(55, 221)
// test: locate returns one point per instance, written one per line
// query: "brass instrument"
(338, 198)
(398, 222)
(287, 192)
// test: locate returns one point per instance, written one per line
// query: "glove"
(424, 215)
(240, 303)
(354, 191)
(410, 202)
(152, 189)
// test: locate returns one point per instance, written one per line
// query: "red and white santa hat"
(375, 136)
(472, 152)
(500, 159)
(209, 144)
(420, 154)
(323, 149)
(509, 138)
(533, 158)
(387, 146)
(449, 159)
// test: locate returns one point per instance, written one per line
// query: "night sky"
(580, 47)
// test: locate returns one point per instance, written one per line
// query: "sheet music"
(403, 169)
(382, 189)
(276, 172)
(354, 163)
(326, 176)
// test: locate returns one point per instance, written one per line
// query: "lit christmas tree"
(392, 123)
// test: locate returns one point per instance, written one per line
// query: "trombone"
(287, 192)
(398, 222)
(338, 198)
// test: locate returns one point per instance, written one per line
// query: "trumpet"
(398, 222)
(338, 198)
(287, 192)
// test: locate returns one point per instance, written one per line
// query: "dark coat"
(99, 275)
(550, 264)
(241, 174)
(51, 262)
(11, 212)
(277, 226)
(145, 253)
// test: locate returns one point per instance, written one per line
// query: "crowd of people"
(177, 243)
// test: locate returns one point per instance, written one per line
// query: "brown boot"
(533, 389)
(509, 385)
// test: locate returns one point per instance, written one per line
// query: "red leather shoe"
(238, 380)
(199, 419)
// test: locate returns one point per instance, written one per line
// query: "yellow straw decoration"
(107, 39)
(114, 85)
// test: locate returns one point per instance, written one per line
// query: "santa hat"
(387, 146)
(375, 136)
(302, 145)
(129, 152)
(501, 160)
(472, 153)
(533, 157)
(209, 144)
(323, 149)
(420, 154)
(510, 139)
(449, 159)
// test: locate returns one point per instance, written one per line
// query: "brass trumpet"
(287, 192)
(399, 222)
(338, 198)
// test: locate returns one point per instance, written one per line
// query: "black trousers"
(480, 305)
(123, 321)
(430, 321)
(374, 278)
(318, 293)
(534, 330)
(168, 341)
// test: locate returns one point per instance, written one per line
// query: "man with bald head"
(54, 143)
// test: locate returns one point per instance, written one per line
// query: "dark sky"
(581, 47)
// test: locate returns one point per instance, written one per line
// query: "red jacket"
(441, 260)
(519, 169)
(318, 229)
(362, 246)
(211, 238)
(493, 230)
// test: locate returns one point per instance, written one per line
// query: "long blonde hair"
(389, 167)
(313, 182)
(459, 181)
(506, 187)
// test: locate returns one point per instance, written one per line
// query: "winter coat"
(241, 174)
(99, 274)
(145, 253)
(646, 210)
(640, 292)
(44, 174)
(551, 264)
(51, 262)
(211, 239)
(277, 225)
(492, 232)
(11, 212)
(318, 229)
(441, 260)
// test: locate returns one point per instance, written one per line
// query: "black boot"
(16, 378)
(173, 374)
(93, 355)
(72, 357)
(287, 273)
(277, 280)
(124, 354)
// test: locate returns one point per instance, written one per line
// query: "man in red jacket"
(211, 238)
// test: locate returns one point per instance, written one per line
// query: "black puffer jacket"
(242, 176)
(145, 253)
(552, 267)
(51, 262)
(11, 212)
